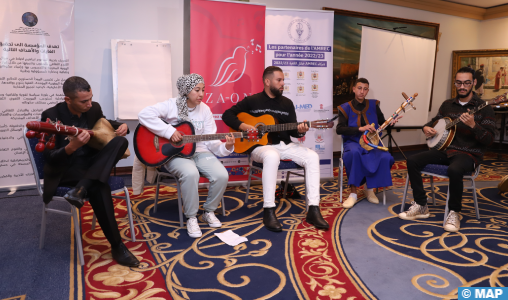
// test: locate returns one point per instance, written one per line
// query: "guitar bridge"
(156, 143)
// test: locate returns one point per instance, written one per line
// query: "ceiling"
(482, 3)
(473, 9)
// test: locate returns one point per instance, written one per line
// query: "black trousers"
(458, 166)
(99, 193)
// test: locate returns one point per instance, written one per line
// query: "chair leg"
(446, 206)
(475, 200)
(404, 195)
(129, 212)
(248, 185)
(223, 207)
(43, 226)
(306, 197)
(180, 203)
(77, 235)
(432, 190)
(94, 220)
(341, 178)
(157, 193)
(384, 196)
(286, 185)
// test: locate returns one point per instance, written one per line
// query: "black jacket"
(281, 108)
(57, 162)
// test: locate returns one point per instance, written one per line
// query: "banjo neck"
(498, 99)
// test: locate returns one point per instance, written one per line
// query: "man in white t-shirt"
(189, 107)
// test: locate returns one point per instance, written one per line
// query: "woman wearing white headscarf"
(189, 107)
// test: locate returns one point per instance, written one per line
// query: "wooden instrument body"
(373, 138)
(148, 146)
(100, 135)
(443, 137)
(243, 145)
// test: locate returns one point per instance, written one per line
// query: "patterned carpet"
(298, 263)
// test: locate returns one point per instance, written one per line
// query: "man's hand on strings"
(302, 128)
(368, 127)
(75, 142)
(468, 119)
(122, 130)
(429, 131)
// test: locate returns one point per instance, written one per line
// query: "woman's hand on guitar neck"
(429, 131)
(76, 142)
(230, 141)
(367, 127)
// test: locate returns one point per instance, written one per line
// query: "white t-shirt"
(201, 118)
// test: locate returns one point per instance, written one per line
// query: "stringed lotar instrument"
(100, 135)
(265, 124)
(371, 140)
(446, 128)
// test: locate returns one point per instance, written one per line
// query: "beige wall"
(457, 34)
(493, 34)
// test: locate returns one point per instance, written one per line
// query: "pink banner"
(227, 42)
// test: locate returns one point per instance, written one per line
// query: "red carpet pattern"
(311, 265)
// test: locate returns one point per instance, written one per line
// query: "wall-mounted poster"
(347, 38)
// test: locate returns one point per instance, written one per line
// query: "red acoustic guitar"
(153, 150)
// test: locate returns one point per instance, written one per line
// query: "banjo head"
(438, 140)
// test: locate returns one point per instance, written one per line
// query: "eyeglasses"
(465, 83)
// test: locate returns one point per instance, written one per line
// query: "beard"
(275, 91)
(466, 95)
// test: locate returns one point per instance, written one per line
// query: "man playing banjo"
(473, 134)
(363, 166)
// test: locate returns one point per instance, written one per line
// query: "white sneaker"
(210, 218)
(193, 228)
(351, 200)
(371, 196)
(452, 222)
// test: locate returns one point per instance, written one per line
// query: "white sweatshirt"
(201, 118)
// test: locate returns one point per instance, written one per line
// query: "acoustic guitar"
(446, 128)
(100, 135)
(153, 150)
(265, 124)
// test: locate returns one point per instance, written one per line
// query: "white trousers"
(271, 155)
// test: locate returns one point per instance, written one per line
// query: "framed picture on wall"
(490, 68)
(347, 38)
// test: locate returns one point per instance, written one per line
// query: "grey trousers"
(188, 171)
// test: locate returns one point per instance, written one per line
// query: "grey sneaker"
(414, 212)
(210, 218)
(452, 222)
(193, 228)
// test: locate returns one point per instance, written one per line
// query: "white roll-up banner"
(301, 44)
(37, 56)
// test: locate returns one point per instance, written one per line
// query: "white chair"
(341, 172)
(287, 165)
(163, 172)
(442, 172)
(116, 183)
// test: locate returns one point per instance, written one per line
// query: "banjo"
(446, 128)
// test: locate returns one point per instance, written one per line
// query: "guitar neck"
(282, 127)
(210, 137)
